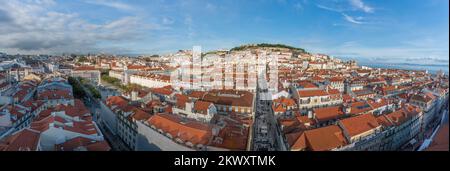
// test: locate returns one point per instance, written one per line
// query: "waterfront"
(433, 69)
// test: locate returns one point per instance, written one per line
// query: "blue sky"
(352, 28)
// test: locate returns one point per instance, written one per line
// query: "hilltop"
(267, 45)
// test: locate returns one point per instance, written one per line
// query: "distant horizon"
(354, 28)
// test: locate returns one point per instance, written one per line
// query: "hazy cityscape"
(68, 81)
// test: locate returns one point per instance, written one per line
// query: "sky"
(376, 29)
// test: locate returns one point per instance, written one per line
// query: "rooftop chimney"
(346, 109)
(310, 115)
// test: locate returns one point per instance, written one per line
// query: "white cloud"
(112, 4)
(32, 28)
(329, 8)
(360, 5)
(167, 21)
(344, 6)
(353, 19)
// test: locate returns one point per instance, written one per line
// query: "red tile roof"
(377, 104)
(230, 98)
(328, 113)
(285, 101)
(312, 93)
(55, 94)
(307, 84)
(402, 115)
(181, 100)
(423, 98)
(360, 107)
(197, 94)
(78, 110)
(202, 106)
(320, 139)
(317, 78)
(192, 131)
(137, 67)
(140, 115)
(383, 120)
(117, 101)
(336, 79)
(234, 137)
(23, 140)
(82, 143)
(440, 141)
(359, 124)
(85, 68)
(162, 91)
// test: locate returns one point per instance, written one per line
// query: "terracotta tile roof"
(360, 107)
(4, 85)
(297, 140)
(202, 106)
(45, 119)
(377, 80)
(333, 92)
(307, 84)
(282, 104)
(317, 78)
(292, 126)
(23, 140)
(234, 137)
(278, 108)
(55, 94)
(20, 95)
(137, 67)
(402, 115)
(197, 94)
(140, 115)
(162, 91)
(422, 98)
(305, 119)
(383, 120)
(151, 76)
(43, 123)
(312, 93)
(328, 113)
(287, 122)
(363, 92)
(440, 141)
(86, 128)
(336, 79)
(285, 101)
(33, 104)
(116, 100)
(82, 143)
(377, 104)
(230, 98)
(359, 124)
(320, 139)
(85, 68)
(387, 89)
(79, 109)
(347, 98)
(181, 100)
(192, 131)
(404, 96)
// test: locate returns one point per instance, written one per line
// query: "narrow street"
(265, 133)
(93, 105)
(437, 132)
